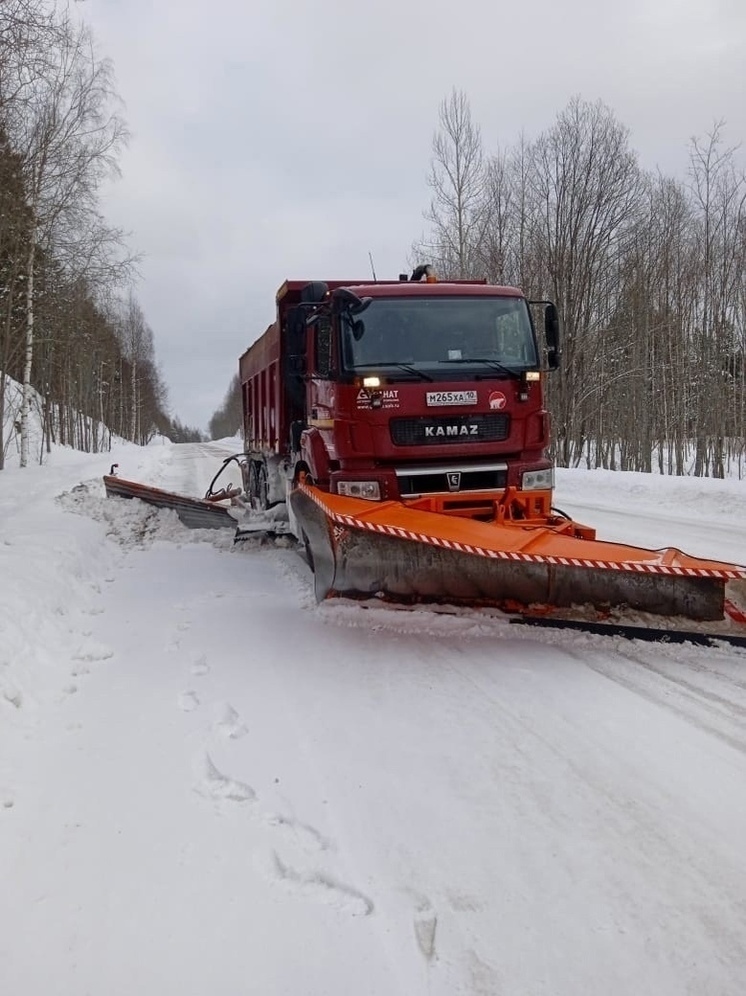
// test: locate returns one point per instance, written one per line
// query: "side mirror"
(343, 299)
(552, 336)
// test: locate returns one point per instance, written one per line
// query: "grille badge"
(454, 480)
(434, 430)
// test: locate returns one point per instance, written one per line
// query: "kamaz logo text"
(431, 431)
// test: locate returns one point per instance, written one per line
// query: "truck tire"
(251, 482)
(262, 489)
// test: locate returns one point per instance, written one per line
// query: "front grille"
(439, 481)
(438, 430)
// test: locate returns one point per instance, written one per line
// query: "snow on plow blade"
(195, 513)
(362, 549)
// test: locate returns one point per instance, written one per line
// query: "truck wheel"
(246, 476)
(251, 482)
(262, 489)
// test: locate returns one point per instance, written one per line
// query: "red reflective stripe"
(535, 558)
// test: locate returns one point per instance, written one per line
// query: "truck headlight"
(370, 490)
(538, 480)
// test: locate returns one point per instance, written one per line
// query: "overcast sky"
(288, 138)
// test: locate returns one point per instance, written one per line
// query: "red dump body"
(478, 423)
(263, 397)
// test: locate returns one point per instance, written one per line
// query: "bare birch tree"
(494, 249)
(584, 188)
(28, 33)
(136, 338)
(458, 211)
(68, 133)
(719, 192)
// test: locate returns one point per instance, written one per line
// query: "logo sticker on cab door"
(390, 398)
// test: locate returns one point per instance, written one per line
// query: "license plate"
(436, 398)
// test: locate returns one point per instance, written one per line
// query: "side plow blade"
(361, 549)
(195, 513)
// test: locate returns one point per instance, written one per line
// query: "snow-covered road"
(210, 784)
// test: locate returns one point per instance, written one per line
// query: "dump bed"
(265, 423)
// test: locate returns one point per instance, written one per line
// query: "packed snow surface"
(210, 784)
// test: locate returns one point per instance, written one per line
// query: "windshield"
(440, 333)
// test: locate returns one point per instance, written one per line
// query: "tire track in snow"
(670, 853)
(666, 677)
(574, 760)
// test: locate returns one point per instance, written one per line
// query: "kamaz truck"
(398, 429)
(412, 390)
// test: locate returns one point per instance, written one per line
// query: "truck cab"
(415, 391)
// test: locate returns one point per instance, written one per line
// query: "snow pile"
(40, 450)
(642, 494)
(692, 513)
(12, 423)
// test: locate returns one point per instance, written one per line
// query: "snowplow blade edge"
(362, 554)
(194, 513)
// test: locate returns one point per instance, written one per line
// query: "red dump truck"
(402, 425)
(400, 390)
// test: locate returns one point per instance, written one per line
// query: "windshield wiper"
(490, 363)
(408, 368)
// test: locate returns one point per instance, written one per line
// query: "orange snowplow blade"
(364, 548)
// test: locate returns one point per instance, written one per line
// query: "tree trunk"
(26, 395)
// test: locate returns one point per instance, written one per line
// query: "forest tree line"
(71, 329)
(648, 272)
